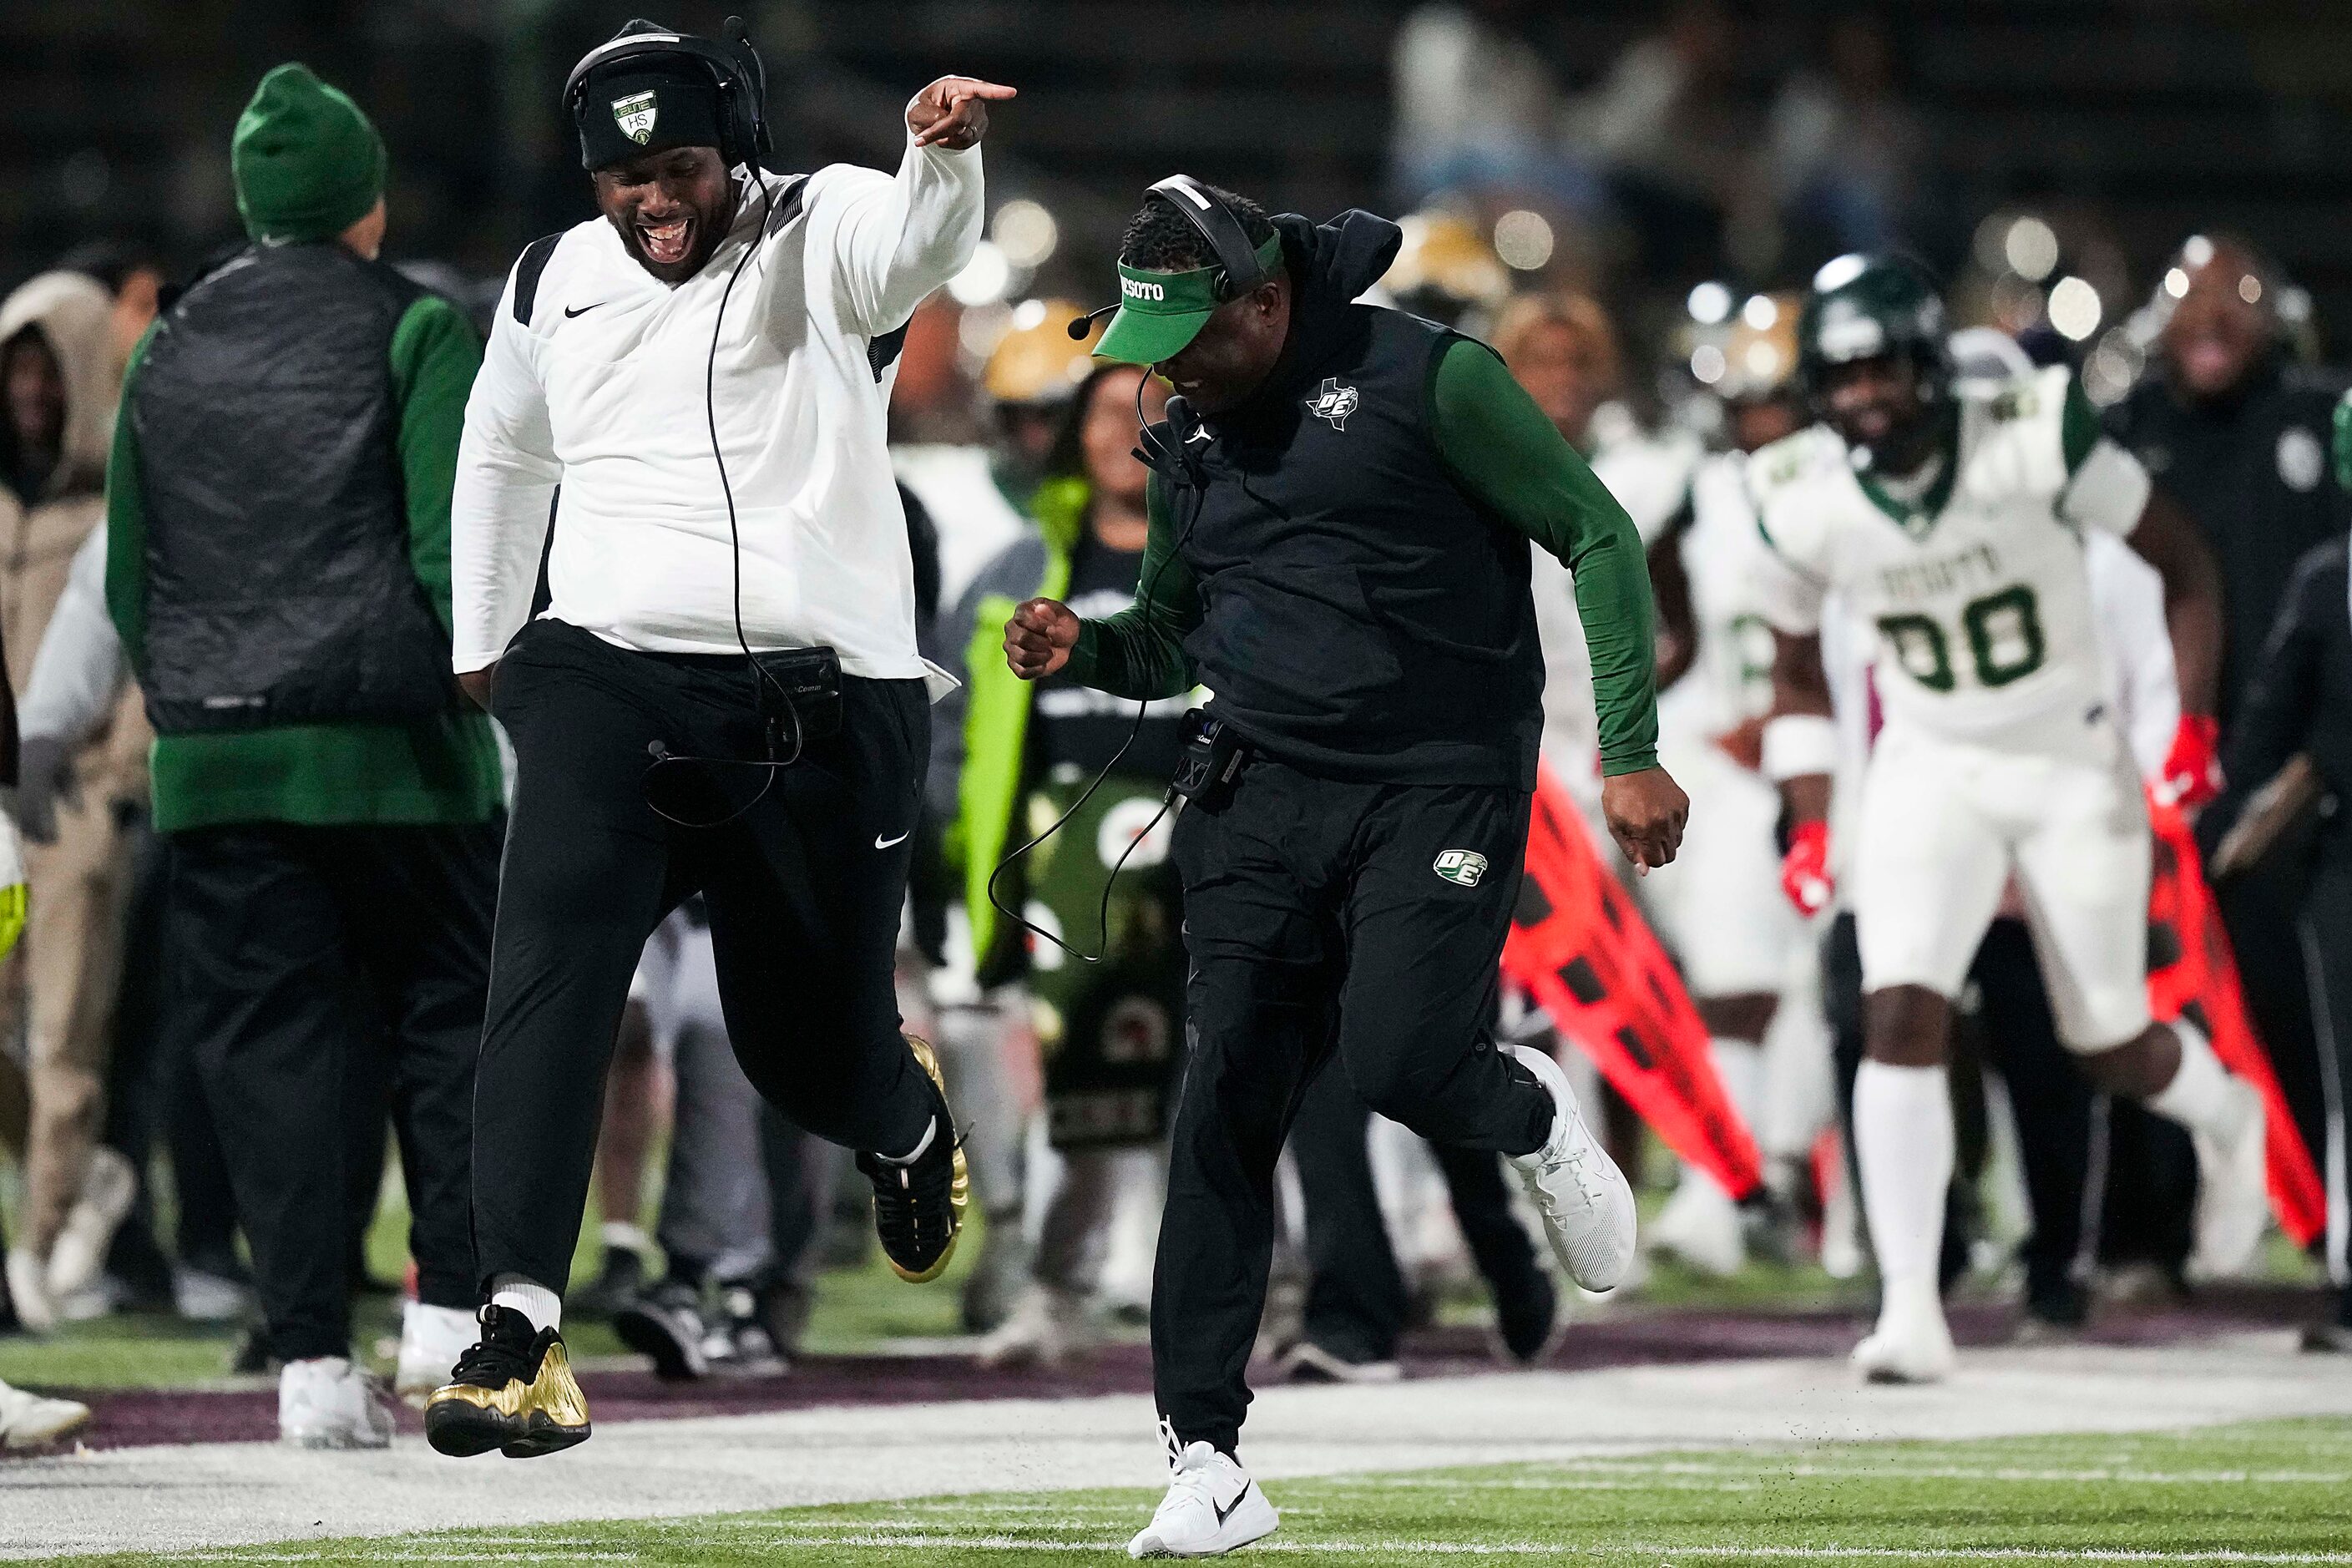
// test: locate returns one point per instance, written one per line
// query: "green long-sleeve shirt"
(1506, 454)
(440, 770)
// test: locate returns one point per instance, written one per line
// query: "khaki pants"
(62, 980)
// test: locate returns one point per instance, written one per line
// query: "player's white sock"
(619, 1235)
(2199, 1095)
(542, 1305)
(1903, 1141)
(1741, 1064)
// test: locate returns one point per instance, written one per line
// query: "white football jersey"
(1727, 563)
(1978, 590)
(1649, 475)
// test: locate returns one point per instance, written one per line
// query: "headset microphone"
(1086, 323)
(1182, 423)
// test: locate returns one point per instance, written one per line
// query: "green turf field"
(2275, 1492)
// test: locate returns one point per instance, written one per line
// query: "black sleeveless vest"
(1364, 618)
(280, 588)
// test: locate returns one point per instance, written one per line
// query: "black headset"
(1228, 241)
(1207, 212)
(735, 70)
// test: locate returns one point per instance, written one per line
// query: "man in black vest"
(1341, 515)
(277, 566)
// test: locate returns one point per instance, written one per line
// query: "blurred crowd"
(1053, 988)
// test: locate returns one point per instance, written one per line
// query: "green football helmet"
(1861, 307)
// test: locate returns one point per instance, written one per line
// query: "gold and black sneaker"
(513, 1392)
(919, 1206)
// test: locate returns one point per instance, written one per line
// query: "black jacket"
(2254, 472)
(2300, 699)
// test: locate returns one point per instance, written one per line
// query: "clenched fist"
(1645, 811)
(1039, 637)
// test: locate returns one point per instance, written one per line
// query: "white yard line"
(184, 1499)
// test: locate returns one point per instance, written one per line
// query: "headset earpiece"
(758, 142)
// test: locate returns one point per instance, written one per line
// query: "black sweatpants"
(2262, 910)
(2328, 948)
(1357, 1298)
(2053, 1102)
(294, 948)
(1318, 923)
(153, 1093)
(805, 891)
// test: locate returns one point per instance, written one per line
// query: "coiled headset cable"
(1171, 457)
(772, 765)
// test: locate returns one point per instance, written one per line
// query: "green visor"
(1159, 313)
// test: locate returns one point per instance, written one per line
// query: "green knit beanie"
(307, 160)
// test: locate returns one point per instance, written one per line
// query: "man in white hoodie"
(58, 367)
(723, 693)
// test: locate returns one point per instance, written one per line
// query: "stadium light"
(1707, 365)
(1025, 232)
(985, 279)
(1523, 239)
(2075, 309)
(1709, 304)
(2030, 249)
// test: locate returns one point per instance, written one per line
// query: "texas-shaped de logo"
(1463, 868)
(1333, 402)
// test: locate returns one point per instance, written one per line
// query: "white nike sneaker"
(1700, 1226)
(109, 1185)
(328, 1403)
(1587, 1207)
(30, 1421)
(432, 1339)
(1912, 1343)
(1212, 1507)
(28, 1290)
(2233, 1200)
